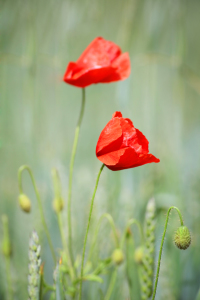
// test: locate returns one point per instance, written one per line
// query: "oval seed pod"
(118, 256)
(24, 203)
(182, 238)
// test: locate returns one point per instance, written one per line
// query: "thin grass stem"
(71, 175)
(162, 243)
(20, 171)
(87, 230)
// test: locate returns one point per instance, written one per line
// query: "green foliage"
(38, 115)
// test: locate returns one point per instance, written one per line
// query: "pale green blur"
(38, 115)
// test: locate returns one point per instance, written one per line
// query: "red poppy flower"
(102, 61)
(122, 146)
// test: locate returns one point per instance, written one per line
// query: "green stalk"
(6, 249)
(87, 230)
(9, 280)
(71, 175)
(21, 169)
(161, 246)
(58, 209)
(111, 285)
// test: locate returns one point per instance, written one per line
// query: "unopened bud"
(58, 204)
(182, 238)
(24, 203)
(139, 253)
(118, 256)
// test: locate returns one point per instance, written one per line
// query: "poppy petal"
(110, 138)
(111, 159)
(100, 52)
(85, 77)
(121, 69)
(122, 146)
(133, 138)
(127, 159)
(117, 114)
(101, 62)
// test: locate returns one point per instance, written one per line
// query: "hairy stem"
(87, 230)
(71, 174)
(161, 246)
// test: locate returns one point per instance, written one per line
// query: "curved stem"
(130, 222)
(71, 174)
(21, 169)
(112, 224)
(162, 243)
(88, 225)
(111, 285)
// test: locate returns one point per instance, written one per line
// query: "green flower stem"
(21, 169)
(9, 280)
(58, 195)
(71, 269)
(88, 225)
(131, 222)
(161, 246)
(71, 174)
(111, 285)
(112, 224)
(6, 249)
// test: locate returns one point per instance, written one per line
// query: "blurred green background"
(38, 115)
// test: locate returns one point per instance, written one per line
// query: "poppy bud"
(24, 203)
(182, 238)
(117, 256)
(58, 204)
(139, 253)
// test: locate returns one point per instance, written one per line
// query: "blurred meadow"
(39, 112)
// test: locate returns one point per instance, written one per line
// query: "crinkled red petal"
(126, 158)
(133, 138)
(121, 69)
(85, 77)
(117, 114)
(100, 52)
(110, 138)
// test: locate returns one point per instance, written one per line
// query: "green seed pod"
(24, 203)
(58, 204)
(147, 266)
(139, 254)
(182, 238)
(118, 256)
(34, 267)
